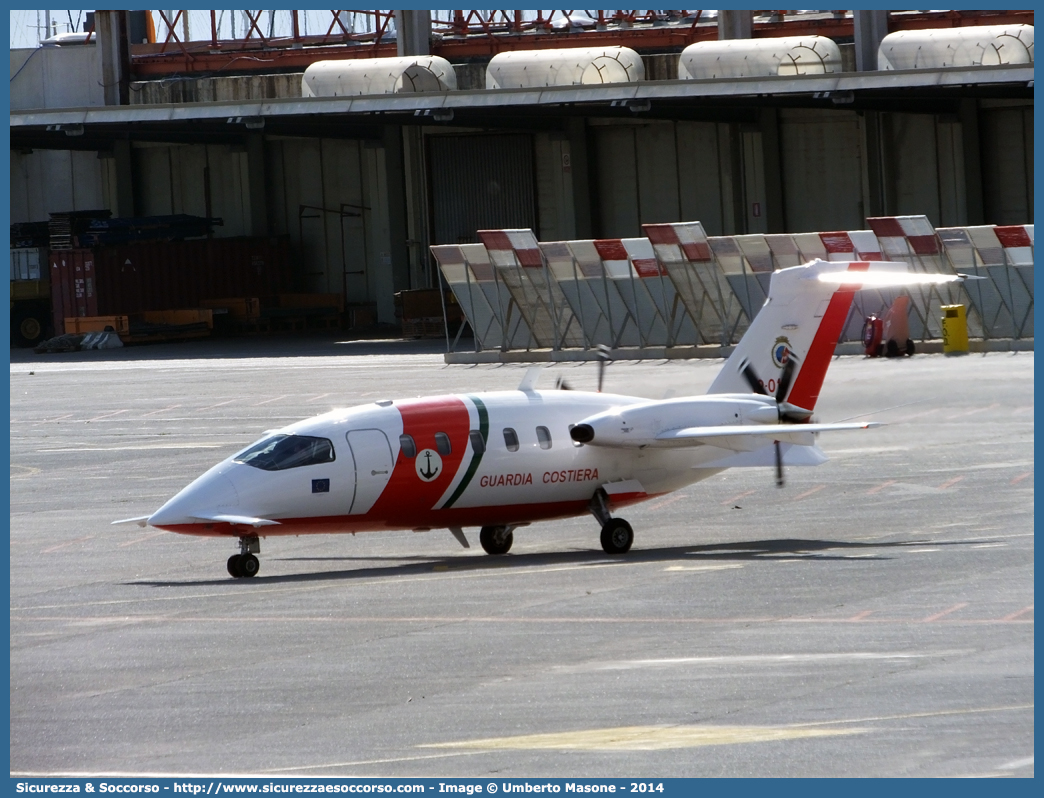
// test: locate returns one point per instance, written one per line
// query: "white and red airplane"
(501, 460)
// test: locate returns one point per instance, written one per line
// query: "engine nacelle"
(636, 426)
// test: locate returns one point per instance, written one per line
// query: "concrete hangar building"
(385, 132)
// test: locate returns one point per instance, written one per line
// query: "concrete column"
(397, 227)
(255, 146)
(969, 116)
(416, 192)
(737, 189)
(579, 166)
(107, 24)
(413, 31)
(733, 24)
(121, 151)
(874, 202)
(775, 216)
(870, 28)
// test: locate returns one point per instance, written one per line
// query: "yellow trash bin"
(954, 329)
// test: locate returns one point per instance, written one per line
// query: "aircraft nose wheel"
(617, 536)
(245, 564)
(496, 539)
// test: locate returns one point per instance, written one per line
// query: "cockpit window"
(280, 452)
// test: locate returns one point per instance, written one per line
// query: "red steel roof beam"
(494, 37)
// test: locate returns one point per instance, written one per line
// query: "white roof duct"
(986, 45)
(349, 77)
(523, 69)
(748, 58)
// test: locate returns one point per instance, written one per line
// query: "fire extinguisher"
(873, 329)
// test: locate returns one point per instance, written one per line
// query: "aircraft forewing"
(239, 519)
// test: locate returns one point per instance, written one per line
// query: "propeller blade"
(603, 358)
(779, 466)
(752, 379)
(786, 378)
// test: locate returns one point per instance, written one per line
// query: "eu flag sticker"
(320, 486)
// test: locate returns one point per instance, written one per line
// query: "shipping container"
(144, 276)
(25, 262)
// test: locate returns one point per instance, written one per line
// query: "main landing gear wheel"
(248, 565)
(496, 539)
(617, 536)
(245, 564)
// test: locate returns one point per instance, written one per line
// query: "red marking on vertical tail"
(809, 381)
(406, 494)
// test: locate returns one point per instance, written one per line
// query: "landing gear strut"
(496, 539)
(617, 535)
(245, 564)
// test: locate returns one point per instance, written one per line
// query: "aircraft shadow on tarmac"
(740, 551)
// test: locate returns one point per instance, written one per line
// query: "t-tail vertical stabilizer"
(801, 320)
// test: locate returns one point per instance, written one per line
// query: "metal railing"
(680, 287)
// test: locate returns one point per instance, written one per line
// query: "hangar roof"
(912, 91)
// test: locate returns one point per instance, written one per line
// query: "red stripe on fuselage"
(809, 381)
(407, 494)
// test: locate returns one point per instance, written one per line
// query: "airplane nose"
(208, 493)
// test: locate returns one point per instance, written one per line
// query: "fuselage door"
(373, 466)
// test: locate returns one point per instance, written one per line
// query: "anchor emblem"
(429, 465)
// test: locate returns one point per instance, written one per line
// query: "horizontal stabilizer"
(879, 279)
(748, 437)
(141, 520)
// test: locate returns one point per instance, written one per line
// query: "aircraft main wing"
(746, 438)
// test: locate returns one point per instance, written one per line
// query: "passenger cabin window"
(478, 445)
(442, 443)
(406, 443)
(280, 452)
(544, 437)
(510, 439)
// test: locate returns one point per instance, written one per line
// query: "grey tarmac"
(873, 618)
